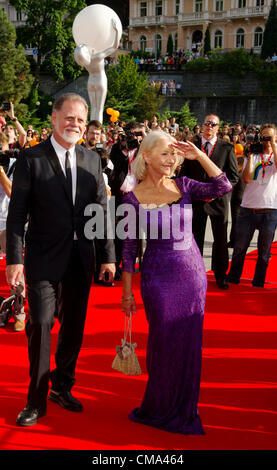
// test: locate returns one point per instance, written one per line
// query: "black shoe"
(257, 284)
(233, 281)
(222, 284)
(29, 416)
(65, 400)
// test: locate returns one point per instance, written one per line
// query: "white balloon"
(92, 27)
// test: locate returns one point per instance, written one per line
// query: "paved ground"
(209, 239)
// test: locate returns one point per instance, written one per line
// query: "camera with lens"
(258, 147)
(6, 156)
(131, 142)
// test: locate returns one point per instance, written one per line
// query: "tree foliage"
(129, 91)
(49, 29)
(170, 45)
(15, 77)
(269, 46)
(207, 42)
(185, 117)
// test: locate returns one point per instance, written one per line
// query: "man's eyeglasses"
(209, 123)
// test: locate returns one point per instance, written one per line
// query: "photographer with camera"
(7, 164)
(258, 209)
(123, 180)
(9, 130)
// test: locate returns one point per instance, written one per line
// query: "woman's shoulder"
(130, 198)
(181, 183)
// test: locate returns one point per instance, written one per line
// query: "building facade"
(232, 24)
(16, 17)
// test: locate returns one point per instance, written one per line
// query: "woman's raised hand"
(188, 150)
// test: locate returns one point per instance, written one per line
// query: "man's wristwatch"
(14, 119)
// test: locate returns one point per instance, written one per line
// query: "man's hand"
(107, 268)
(14, 273)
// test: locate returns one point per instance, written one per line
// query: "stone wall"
(232, 99)
(247, 109)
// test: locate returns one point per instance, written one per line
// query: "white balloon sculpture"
(96, 31)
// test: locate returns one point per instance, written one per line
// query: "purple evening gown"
(173, 288)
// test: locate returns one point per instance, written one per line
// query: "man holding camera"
(123, 180)
(258, 209)
(222, 154)
(7, 165)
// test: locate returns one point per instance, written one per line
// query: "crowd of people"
(150, 165)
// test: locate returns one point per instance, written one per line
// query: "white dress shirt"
(210, 143)
(61, 151)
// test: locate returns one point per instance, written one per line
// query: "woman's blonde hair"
(148, 144)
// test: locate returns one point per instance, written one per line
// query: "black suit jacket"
(120, 170)
(40, 192)
(224, 157)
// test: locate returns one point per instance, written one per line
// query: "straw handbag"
(126, 360)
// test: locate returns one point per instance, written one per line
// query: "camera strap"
(205, 148)
(264, 164)
(131, 158)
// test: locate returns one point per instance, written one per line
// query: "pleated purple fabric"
(173, 288)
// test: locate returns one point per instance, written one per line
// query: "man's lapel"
(81, 172)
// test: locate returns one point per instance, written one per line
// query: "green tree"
(170, 45)
(129, 91)
(49, 29)
(15, 77)
(207, 42)
(185, 117)
(269, 45)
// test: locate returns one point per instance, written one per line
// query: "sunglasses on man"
(210, 123)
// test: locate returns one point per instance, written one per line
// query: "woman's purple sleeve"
(130, 246)
(215, 187)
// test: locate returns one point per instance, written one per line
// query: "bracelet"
(127, 298)
(14, 119)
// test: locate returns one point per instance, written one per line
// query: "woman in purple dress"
(173, 280)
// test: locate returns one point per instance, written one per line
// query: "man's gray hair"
(68, 97)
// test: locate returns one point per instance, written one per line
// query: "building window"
(258, 37)
(143, 8)
(219, 5)
(177, 7)
(159, 8)
(241, 3)
(240, 38)
(158, 43)
(259, 3)
(142, 43)
(198, 6)
(218, 39)
(19, 15)
(175, 42)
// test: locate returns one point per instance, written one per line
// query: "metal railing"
(246, 12)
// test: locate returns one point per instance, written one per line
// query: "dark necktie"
(206, 147)
(68, 173)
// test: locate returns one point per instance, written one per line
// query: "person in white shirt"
(258, 209)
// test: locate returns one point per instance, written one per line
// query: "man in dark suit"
(222, 154)
(53, 184)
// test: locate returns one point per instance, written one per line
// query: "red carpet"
(238, 398)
